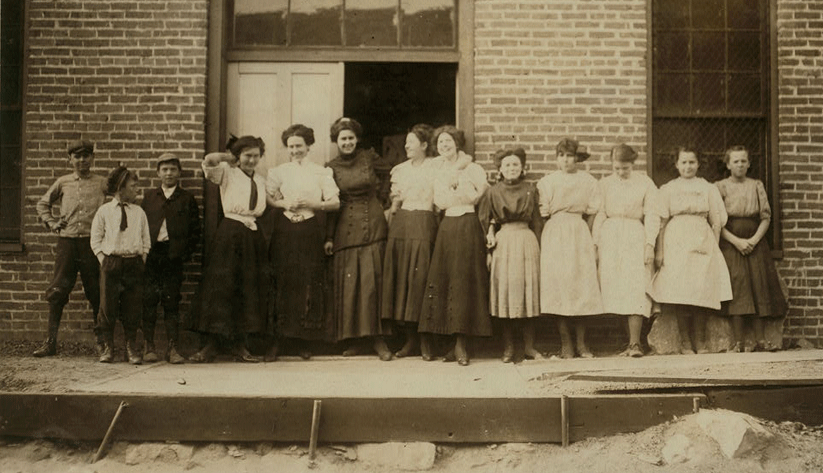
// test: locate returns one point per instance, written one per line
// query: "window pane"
(371, 22)
(709, 51)
(316, 22)
(12, 12)
(669, 14)
(744, 52)
(10, 85)
(671, 51)
(746, 14)
(709, 93)
(428, 23)
(744, 93)
(10, 216)
(260, 22)
(668, 135)
(10, 128)
(671, 93)
(10, 167)
(708, 14)
(11, 51)
(747, 132)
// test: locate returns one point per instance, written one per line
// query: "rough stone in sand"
(408, 456)
(664, 338)
(739, 435)
(137, 454)
(676, 449)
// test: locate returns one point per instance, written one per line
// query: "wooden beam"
(797, 404)
(679, 380)
(208, 418)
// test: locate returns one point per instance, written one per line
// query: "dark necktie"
(253, 196)
(124, 222)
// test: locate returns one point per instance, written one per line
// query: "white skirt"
(624, 276)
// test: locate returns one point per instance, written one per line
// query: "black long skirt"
(756, 288)
(299, 263)
(236, 285)
(457, 287)
(406, 264)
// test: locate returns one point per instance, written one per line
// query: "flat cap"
(80, 145)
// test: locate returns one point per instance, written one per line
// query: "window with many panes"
(343, 23)
(710, 82)
(11, 116)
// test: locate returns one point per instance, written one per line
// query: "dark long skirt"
(296, 252)
(457, 287)
(358, 278)
(406, 264)
(234, 293)
(755, 283)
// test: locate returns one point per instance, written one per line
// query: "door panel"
(265, 98)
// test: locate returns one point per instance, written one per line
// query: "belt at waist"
(247, 220)
(459, 210)
(567, 215)
(624, 217)
(124, 256)
(416, 206)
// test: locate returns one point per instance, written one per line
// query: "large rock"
(719, 333)
(664, 337)
(408, 456)
(739, 435)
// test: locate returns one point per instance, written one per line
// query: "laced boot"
(426, 347)
(149, 352)
(172, 356)
(48, 348)
(382, 350)
(133, 353)
(107, 355)
(460, 351)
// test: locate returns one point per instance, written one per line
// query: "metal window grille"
(710, 75)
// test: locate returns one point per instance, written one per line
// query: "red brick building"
(140, 78)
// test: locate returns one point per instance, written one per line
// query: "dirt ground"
(797, 448)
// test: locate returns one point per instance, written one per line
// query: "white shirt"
(235, 192)
(304, 179)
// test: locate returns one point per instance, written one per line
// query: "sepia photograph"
(411, 235)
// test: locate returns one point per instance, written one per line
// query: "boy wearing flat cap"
(174, 225)
(120, 239)
(80, 194)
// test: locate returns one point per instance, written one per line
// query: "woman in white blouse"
(300, 188)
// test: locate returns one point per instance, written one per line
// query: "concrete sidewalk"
(367, 377)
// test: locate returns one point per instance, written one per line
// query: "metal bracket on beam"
(315, 428)
(564, 420)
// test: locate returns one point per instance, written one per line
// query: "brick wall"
(547, 70)
(129, 76)
(800, 65)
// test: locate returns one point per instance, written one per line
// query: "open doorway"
(389, 98)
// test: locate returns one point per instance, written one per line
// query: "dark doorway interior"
(389, 98)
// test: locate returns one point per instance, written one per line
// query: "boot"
(207, 354)
(149, 352)
(133, 353)
(49, 346)
(382, 350)
(411, 342)
(242, 354)
(172, 356)
(271, 353)
(426, 347)
(107, 355)
(460, 350)
(508, 342)
(529, 352)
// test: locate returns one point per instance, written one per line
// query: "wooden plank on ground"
(625, 378)
(206, 418)
(798, 404)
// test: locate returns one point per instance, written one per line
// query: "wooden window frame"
(18, 246)
(773, 157)
(220, 54)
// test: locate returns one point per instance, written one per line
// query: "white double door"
(265, 98)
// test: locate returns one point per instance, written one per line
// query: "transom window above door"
(400, 24)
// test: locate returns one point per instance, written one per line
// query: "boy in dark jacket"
(174, 225)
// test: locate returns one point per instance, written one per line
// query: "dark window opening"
(11, 119)
(389, 98)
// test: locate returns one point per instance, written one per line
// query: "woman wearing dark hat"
(624, 233)
(510, 216)
(236, 282)
(568, 267)
(456, 302)
(356, 236)
(300, 188)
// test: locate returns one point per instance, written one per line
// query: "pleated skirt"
(358, 279)
(406, 264)
(515, 273)
(457, 286)
(755, 282)
(236, 285)
(568, 270)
